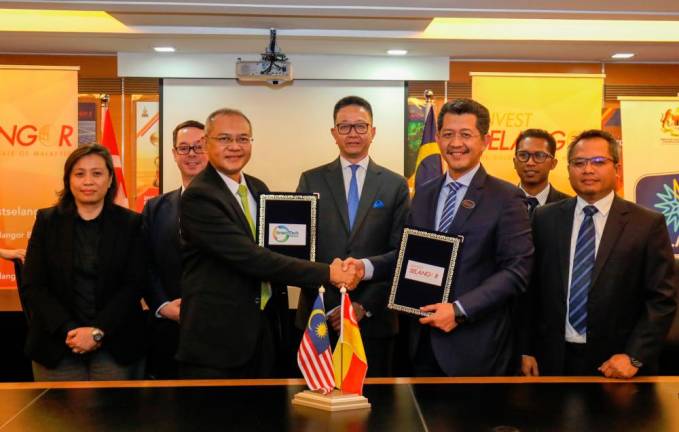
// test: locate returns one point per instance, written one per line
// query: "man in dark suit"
(227, 316)
(364, 207)
(473, 334)
(534, 158)
(602, 295)
(161, 231)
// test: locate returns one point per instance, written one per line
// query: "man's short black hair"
(537, 133)
(613, 147)
(352, 100)
(466, 106)
(186, 124)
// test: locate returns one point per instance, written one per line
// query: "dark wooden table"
(398, 404)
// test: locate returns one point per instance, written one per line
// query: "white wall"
(291, 124)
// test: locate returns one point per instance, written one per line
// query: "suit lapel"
(335, 180)
(430, 198)
(66, 242)
(564, 229)
(615, 223)
(173, 200)
(255, 194)
(229, 199)
(371, 186)
(474, 195)
(106, 249)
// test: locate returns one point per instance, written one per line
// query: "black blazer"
(493, 267)
(48, 285)
(555, 195)
(160, 219)
(631, 301)
(382, 211)
(223, 269)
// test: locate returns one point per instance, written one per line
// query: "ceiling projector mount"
(274, 66)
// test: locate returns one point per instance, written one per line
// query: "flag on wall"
(313, 357)
(349, 358)
(428, 164)
(108, 140)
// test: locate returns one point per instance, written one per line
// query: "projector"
(274, 66)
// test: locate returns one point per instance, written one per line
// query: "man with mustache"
(472, 334)
(534, 158)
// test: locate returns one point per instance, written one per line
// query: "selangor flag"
(313, 356)
(108, 140)
(349, 358)
(428, 164)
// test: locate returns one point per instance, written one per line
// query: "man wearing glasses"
(231, 287)
(533, 160)
(473, 334)
(602, 297)
(161, 228)
(363, 207)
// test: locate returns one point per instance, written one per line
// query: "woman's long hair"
(66, 201)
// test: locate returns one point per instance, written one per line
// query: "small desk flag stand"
(316, 364)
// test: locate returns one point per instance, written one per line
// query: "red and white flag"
(108, 140)
(313, 357)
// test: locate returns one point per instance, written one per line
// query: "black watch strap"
(460, 317)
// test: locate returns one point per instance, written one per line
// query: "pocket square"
(378, 204)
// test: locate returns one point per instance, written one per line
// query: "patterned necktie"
(265, 289)
(581, 275)
(352, 202)
(449, 207)
(532, 205)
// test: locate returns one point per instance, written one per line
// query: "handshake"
(347, 273)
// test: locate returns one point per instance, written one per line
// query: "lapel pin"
(468, 204)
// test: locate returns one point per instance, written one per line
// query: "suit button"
(348, 252)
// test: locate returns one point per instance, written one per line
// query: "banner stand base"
(335, 401)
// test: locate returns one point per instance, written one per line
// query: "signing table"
(398, 404)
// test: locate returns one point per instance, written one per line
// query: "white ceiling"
(361, 27)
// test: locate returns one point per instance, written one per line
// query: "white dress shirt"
(233, 187)
(464, 182)
(541, 196)
(360, 174)
(599, 219)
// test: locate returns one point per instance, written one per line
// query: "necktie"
(581, 276)
(532, 205)
(265, 289)
(449, 207)
(352, 202)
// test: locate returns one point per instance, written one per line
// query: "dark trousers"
(424, 361)
(162, 347)
(576, 362)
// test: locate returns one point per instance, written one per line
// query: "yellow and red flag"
(349, 361)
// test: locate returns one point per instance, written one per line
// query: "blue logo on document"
(378, 204)
(661, 193)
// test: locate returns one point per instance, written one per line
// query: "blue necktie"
(352, 202)
(581, 277)
(449, 207)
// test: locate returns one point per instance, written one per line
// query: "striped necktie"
(449, 207)
(581, 275)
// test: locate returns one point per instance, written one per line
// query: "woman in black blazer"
(83, 279)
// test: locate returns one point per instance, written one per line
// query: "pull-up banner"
(38, 130)
(562, 104)
(650, 136)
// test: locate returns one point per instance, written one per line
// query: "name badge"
(425, 273)
(287, 234)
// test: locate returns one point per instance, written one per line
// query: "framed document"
(287, 224)
(425, 267)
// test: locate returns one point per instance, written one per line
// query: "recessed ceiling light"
(622, 55)
(164, 49)
(397, 52)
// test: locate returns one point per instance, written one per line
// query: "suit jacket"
(160, 219)
(555, 195)
(494, 266)
(382, 211)
(48, 285)
(223, 267)
(631, 300)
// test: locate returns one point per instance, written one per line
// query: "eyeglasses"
(228, 139)
(464, 136)
(345, 128)
(538, 156)
(596, 162)
(186, 149)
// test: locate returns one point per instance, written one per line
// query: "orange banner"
(38, 130)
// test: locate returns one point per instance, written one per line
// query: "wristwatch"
(460, 317)
(97, 334)
(636, 363)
